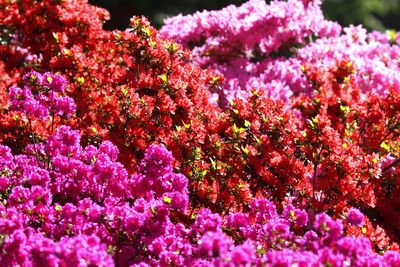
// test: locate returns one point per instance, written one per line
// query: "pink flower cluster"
(84, 209)
(43, 95)
(245, 43)
(76, 200)
(375, 56)
(252, 27)
(266, 46)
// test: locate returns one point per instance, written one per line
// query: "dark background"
(373, 14)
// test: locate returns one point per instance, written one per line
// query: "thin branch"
(394, 163)
(34, 140)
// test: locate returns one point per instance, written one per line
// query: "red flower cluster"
(352, 144)
(132, 87)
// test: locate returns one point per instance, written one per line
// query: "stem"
(315, 171)
(52, 122)
(33, 139)
(314, 179)
(194, 207)
(102, 192)
(51, 132)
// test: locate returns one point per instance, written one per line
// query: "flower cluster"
(266, 46)
(249, 45)
(342, 85)
(132, 87)
(113, 150)
(83, 209)
(44, 95)
(78, 204)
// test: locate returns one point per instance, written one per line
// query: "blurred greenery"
(373, 14)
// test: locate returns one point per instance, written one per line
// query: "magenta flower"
(355, 217)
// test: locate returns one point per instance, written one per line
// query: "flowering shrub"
(113, 150)
(343, 84)
(249, 44)
(264, 46)
(132, 87)
(83, 207)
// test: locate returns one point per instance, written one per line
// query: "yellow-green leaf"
(55, 36)
(81, 80)
(385, 146)
(167, 200)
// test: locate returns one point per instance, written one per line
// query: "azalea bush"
(255, 135)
